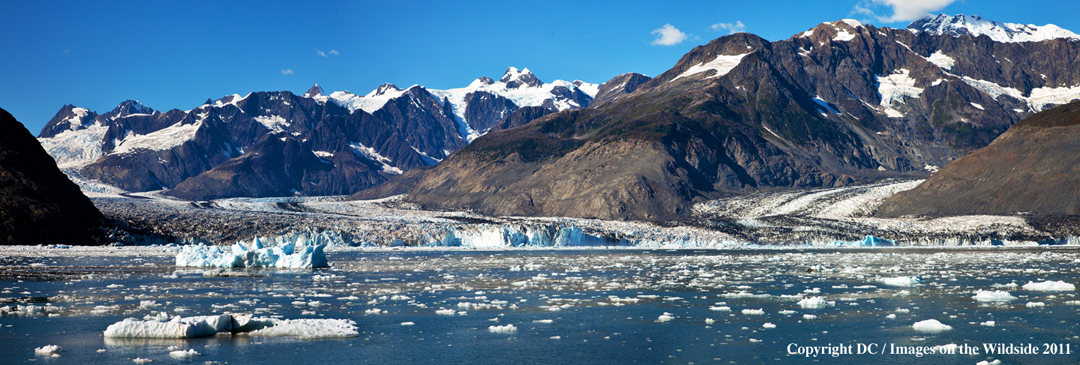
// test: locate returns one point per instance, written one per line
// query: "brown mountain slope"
(1034, 167)
(38, 204)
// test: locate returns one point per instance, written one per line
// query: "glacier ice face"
(289, 252)
(869, 241)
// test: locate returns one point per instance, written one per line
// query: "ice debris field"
(388, 305)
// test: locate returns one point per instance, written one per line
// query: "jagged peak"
(515, 78)
(314, 91)
(385, 89)
(128, 107)
(974, 25)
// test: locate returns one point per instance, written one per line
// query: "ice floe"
(815, 302)
(205, 326)
(902, 281)
(930, 325)
(993, 296)
(1049, 286)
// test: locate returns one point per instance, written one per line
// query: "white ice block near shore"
(1049, 286)
(205, 326)
(296, 253)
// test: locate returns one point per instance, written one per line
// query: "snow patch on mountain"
(1040, 98)
(274, 123)
(76, 121)
(894, 88)
(160, 140)
(975, 26)
(373, 155)
(942, 60)
(722, 65)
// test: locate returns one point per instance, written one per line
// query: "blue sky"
(176, 54)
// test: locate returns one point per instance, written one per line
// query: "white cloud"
(668, 35)
(286, 71)
(333, 52)
(902, 10)
(731, 28)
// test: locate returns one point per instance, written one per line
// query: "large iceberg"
(287, 252)
(1049, 286)
(205, 326)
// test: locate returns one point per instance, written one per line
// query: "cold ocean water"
(559, 306)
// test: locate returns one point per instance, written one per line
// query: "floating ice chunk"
(503, 329)
(542, 321)
(47, 350)
(1035, 304)
(407, 323)
(744, 294)
(984, 362)
(1049, 286)
(768, 325)
(309, 328)
(930, 325)
(809, 316)
(756, 312)
(190, 327)
(988, 323)
(993, 296)
(902, 281)
(815, 302)
(891, 316)
(296, 254)
(446, 312)
(184, 354)
(709, 321)
(139, 360)
(665, 317)
(754, 340)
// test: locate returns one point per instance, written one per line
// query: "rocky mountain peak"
(314, 91)
(515, 78)
(384, 89)
(129, 107)
(975, 26)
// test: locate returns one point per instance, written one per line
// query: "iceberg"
(931, 325)
(206, 326)
(869, 241)
(47, 350)
(190, 327)
(993, 296)
(293, 252)
(1049, 286)
(815, 302)
(902, 281)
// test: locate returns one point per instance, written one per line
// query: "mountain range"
(842, 103)
(279, 144)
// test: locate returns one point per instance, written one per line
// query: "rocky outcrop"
(1029, 169)
(618, 86)
(38, 204)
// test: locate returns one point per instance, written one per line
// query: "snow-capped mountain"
(975, 26)
(340, 143)
(516, 89)
(842, 103)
